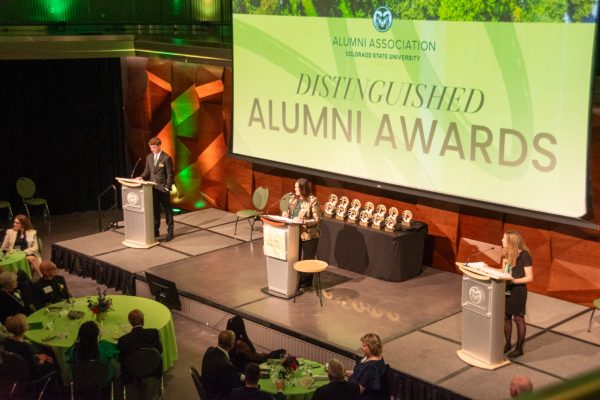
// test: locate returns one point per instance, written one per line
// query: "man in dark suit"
(138, 338)
(159, 169)
(251, 391)
(218, 373)
(338, 388)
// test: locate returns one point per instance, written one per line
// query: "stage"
(419, 319)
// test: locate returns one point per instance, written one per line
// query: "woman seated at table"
(38, 362)
(88, 347)
(369, 373)
(51, 288)
(23, 236)
(244, 352)
(11, 302)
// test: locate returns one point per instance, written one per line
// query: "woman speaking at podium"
(516, 261)
(304, 207)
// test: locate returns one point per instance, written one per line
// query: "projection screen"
(444, 99)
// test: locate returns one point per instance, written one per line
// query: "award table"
(60, 332)
(393, 257)
(295, 388)
(15, 261)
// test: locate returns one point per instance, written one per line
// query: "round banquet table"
(60, 332)
(293, 387)
(15, 261)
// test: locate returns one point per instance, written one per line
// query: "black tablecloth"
(383, 255)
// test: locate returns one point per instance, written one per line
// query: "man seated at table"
(338, 388)
(51, 288)
(251, 391)
(139, 338)
(218, 372)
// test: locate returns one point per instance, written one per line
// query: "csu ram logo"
(382, 19)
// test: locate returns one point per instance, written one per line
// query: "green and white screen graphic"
(488, 107)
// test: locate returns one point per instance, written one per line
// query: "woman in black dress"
(516, 261)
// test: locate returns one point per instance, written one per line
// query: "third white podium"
(483, 316)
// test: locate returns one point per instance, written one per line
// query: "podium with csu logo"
(483, 315)
(138, 212)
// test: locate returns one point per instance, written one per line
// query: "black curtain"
(62, 126)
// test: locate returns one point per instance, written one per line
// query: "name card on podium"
(274, 242)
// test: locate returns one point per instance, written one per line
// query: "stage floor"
(419, 320)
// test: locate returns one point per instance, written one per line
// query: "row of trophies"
(350, 211)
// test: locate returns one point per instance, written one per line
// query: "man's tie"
(155, 159)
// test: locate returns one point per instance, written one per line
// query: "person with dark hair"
(369, 373)
(138, 338)
(88, 347)
(38, 362)
(305, 208)
(23, 236)
(251, 390)
(337, 388)
(516, 261)
(244, 351)
(218, 373)
(52, 287)
(159, 169)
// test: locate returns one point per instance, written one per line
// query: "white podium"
(483, 315)
(138, 212)
(281, 238)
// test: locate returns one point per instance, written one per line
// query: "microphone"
(135, 166)
(275, 202)
(478, 252)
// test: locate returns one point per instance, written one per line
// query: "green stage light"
(199, 204)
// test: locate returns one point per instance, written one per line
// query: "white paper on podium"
(274, 242)
(131, 182)
(480, 266)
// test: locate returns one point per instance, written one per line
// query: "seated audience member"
(520, 385)
(23, 236)
(369, 373)
(51, 288)
(218, 373)
(39, 363)
(137, 339)
(250, 390)
(244, 352)
(26, 289)
(338, 388)
(89, 347)
(11, 302)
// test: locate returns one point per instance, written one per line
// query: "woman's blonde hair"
(514, 245)
(373, 342)
(16, 324)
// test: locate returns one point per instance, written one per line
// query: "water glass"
(17, 248)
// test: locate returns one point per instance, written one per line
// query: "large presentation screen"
(487, 101)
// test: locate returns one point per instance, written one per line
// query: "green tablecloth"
(293, 386)
(116, 324)
(15, 261)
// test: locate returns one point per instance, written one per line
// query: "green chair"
(284, 202)
(596, 307)
(259, 201)
(6, 204)
(26, 189)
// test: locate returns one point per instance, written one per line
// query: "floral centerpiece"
(289, 364)
(101, 305)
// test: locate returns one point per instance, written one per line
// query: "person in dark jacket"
(51, 288)
(251, 390)
(338, 388)
(218, 373)
(138, 338)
